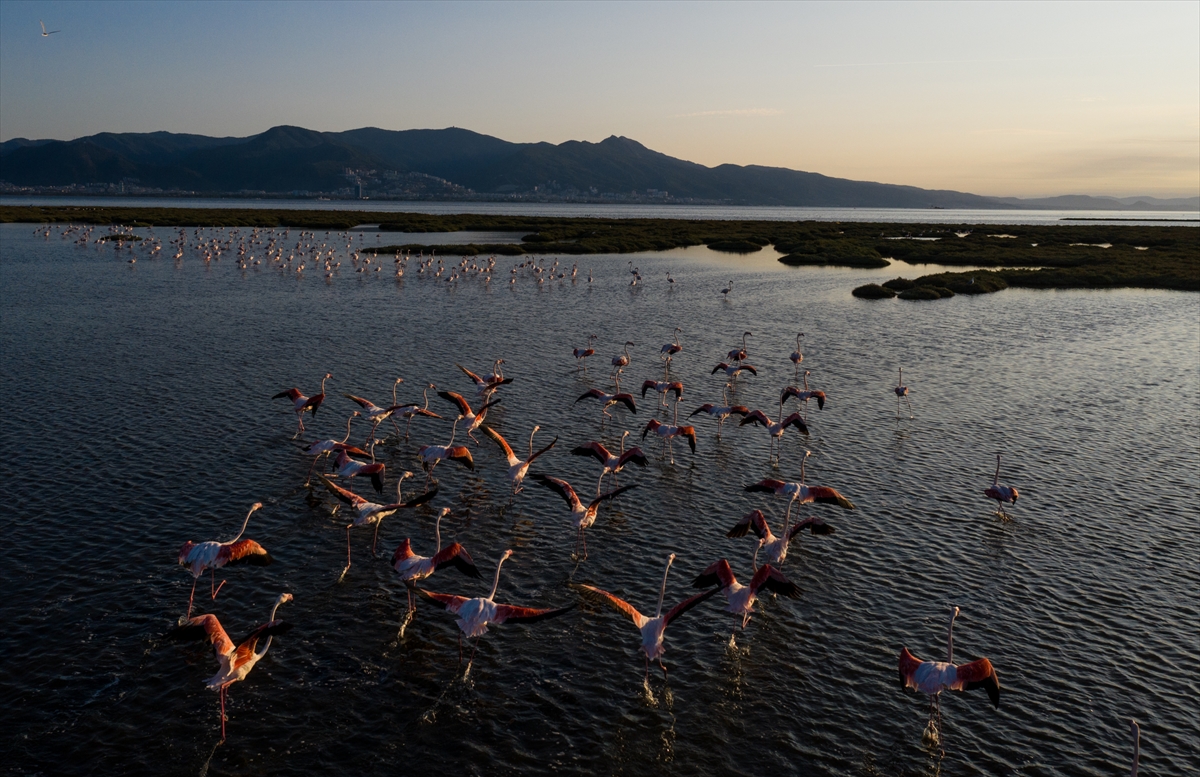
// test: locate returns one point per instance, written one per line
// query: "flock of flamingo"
(476, 613)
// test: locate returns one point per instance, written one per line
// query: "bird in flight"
(44, 33)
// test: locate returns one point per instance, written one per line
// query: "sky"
(1004, 99)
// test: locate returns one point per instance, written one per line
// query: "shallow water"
(138, 416)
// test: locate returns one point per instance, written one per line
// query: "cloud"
(734, 112)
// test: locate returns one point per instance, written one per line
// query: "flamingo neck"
(496, 581)
(950, 639)
(1137, 747)
(323, 383)
(437, 533)
(425, 394)
(663, 591)
(348, 420)
(996, 477)
(394, 400)
(453, 431)
(623, 443)
(245, 523)
(531, 434)
(267, 644)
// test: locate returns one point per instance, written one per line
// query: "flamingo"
(902, 391)
(668, 433)
(236, 661)
(663, 388)
(583, 353)
(325, 447)
(775, 428)
(367, 513)
(733, 370)
(377, 415)
(670, 349)
(1137, 745)
(725, 291)
(797, 356)
(799, 492)
(213, 555)
(302, 404)
(653, 629)
(474, 420)
(413, 568)
(517, 468)
(739, 354)
(414, 411)
(721, 412)
(485, 387)
(432, 455)
(776, 548)
(346, 468)
(610, 464)
(584, 516)
(1001, 493)
(933, 677)
(608, 400)
(740, 598)
(621, 360)
(804, 395)
(476, 614)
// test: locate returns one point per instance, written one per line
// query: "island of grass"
(1058, 256)
(119, 237)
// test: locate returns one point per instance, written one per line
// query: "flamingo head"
(670, 559)
(398, 381)
(406, 474)
(256, 506)
(283, 599)
(445, 510)
(506, 555)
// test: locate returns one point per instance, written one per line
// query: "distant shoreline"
(1095, 256)
(1101, 218)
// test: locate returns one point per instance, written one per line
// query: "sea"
(139, 415)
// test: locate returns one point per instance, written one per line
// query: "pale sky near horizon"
(1005, 99)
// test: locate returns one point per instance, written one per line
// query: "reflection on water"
(139, 416)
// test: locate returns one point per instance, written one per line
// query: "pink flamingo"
(476, 614)
(799, 492)
(670, 349)
(610, 464)
(413, 412)
(663, 387)
(302, 404)
(474, 419)
(740, 598)
(517, 468)
(584, 516)
(933, 677)
(804, 395)
(212, 555)
(432, 455)
(583, 353)
(902, 391)
(776, 548)
(797, 357)
(367, 513)
(346, 468)
(413, 568)
(721, 412)
(608, 400)
(235, 661)
(1001, 493)
(486, 386)
(653, 629)
(668, 433)
(377, 415)
(739, 354)
(621, 360)
(775, 428)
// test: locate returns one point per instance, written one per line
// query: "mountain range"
(464, 163)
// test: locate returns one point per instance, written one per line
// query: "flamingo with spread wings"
(367, 513)
(608, 400)
(413, 568)
(610, 464)
(465, 413)
(653, 629)
(517, 468)
(377, 415)
(799, 492)
(776, 548)
(721, 412)
(302, 404)
(584, 516)
(740, 598)
(415, 412)
(432, 455)
(212, 555)
(235, 661)
(487, 385)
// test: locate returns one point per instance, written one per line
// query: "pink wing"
(978, 674)
(773, 580)
(752, 521)
(449, 601)
(686, 605)
(349, 497)
(593, 449)
(507, 612)
(617, 603)
(717, 573)
(204, 627)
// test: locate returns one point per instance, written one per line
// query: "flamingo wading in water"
(367, 513)
(302, 404)
(432, 455)
(933, 677)
(611, 464)
(584, 516)
(517, 468)
(797, 355)
(775, 548)
(212, 555)
(236, 661)
(740, 598)
(413, 568)
(902, 391)
(1001, 493)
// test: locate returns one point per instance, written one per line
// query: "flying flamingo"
(797, 356)
(611, 464)
(474, 420)
(621, 360)
(413, 568)
(739, 354)
(476, 614)
(413, 412)
(670, 349)
(583, 353)
(212, 555)
(1001, 493)
(721, 412)
(326, 447)
(668, 433)
(236, 661)
(517, 468)
(584, 516)
(346, 468)
(46, 34)
(799, 492)
(485, 387)
(377, 415)
(933, 677)
(804, 395)
(432, 455)
(902, 391)
(776, 548)
(741, 598)
(653, 629)
(775, 428)
(608, 400)
(663, 387)
(302, 404)
(733, 370)
(367, 513)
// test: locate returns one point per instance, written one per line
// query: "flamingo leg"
(583, 536)
(397, 428)
(460, 648)
(407, 426)
(910, 410)
(344, 571)
(222, 713)
(192, 598)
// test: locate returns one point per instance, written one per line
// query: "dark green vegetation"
(1040, 257)
(873, 291)
(120, 238)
